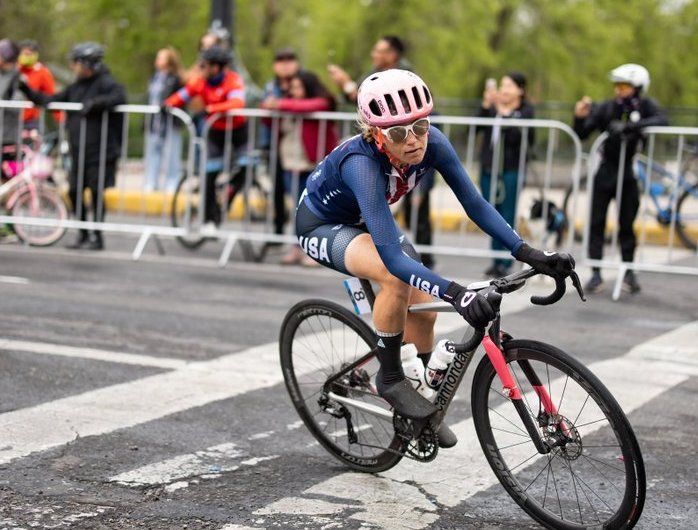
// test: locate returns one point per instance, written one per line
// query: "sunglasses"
(398, 133)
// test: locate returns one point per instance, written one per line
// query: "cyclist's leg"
(629, 205)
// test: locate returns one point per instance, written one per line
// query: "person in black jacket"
(623, 117)
(507, 102)
(98, 92)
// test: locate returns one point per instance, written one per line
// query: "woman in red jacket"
(304, 142)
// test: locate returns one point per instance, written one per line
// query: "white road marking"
(642, 374)
(216, 459)
(260, 435)
(90, 353)
(14, 279)
(107, 409)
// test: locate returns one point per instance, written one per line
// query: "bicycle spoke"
(581, 410)
(546, 466)
(522, 463)
(525, 433)
(510, 432)
(603, 463)
(574, 486)
(604, 477)
(562, 396)
(590, 423)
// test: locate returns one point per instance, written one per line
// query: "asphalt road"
(122, 402)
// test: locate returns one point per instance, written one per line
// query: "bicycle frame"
(15, 186)
(454, 376)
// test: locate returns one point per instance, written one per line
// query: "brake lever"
(577, 285)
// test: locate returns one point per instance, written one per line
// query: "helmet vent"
(373, 105)
(391, 104)
(405, 102)
(417, 99)
(427, 95)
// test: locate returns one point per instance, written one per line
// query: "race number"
(358, 296)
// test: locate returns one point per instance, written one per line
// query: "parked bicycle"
(187, 198)
(554, 436)
(26, 191)
(666, 188)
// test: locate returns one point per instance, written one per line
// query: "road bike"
(666, 190)
(187, 197)
(553, 434)
(26, 191)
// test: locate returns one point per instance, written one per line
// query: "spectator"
(38, 76)
(301, 145)
(9, 84)
(285, 66)
(222, 90)
(387, 53)
(623, 117)
(98, 92)
(165, 136)
(507, 102)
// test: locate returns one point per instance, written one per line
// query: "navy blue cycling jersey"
(355, 183)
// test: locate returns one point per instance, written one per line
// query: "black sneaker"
(82, 240)
(96, 242)
(630, 284)
(595, 285)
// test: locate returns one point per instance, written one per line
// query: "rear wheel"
(594, 474)
(318, 339)
(185, 211)
(44, 204)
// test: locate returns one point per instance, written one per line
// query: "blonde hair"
(368, 132)
(174, 64)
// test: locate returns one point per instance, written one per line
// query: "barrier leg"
(622, 269)
(227, 251)
(140, 246)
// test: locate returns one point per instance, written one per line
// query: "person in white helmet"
(623, 117)
(344, 222)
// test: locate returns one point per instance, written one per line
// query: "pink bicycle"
(555, 437)
(26, 193)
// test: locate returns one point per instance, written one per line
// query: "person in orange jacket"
(222, 89)
(38, 77)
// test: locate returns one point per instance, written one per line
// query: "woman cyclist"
(344, 222)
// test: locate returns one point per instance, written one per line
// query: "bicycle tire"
(50, 206)
(681, 227)
(193, 241)
(586, 451)
(298, 372)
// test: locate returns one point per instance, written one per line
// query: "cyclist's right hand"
(473, 306)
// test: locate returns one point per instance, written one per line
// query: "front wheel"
(44, 203)
(185, 211)
(594, 475)
(687, 217)
(318, 339)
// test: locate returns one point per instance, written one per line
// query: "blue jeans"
(158, 148)
(505, 203)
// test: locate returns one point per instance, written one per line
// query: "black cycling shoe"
(447, 438)
(407, 402)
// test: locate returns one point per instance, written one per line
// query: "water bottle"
(438, 363)
(414, 370)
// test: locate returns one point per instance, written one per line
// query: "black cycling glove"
(557, 265)
(472, 306)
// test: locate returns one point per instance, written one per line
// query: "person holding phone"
(509, 101)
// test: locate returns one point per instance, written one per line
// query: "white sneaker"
(209, 228)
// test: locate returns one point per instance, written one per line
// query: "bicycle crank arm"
(366, 407)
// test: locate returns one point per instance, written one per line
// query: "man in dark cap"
(98, 92)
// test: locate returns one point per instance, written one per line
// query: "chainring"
(424, 446)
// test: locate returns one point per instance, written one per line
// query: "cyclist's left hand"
(555, 264)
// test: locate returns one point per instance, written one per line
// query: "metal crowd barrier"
(667, 176)
(129, 183)
(462, 131)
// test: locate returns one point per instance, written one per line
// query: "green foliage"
(566, 47)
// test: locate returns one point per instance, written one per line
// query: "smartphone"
(491, 84)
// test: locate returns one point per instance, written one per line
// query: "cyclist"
(623, 117)
(222, 89)
(344, 222)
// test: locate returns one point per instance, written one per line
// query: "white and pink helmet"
(393, 97)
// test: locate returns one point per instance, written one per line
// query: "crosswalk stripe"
(642, 374)
(90, 353)
(107, 409)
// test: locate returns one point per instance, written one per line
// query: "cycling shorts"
(327, 242)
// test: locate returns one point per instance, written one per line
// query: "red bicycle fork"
(512, 391)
